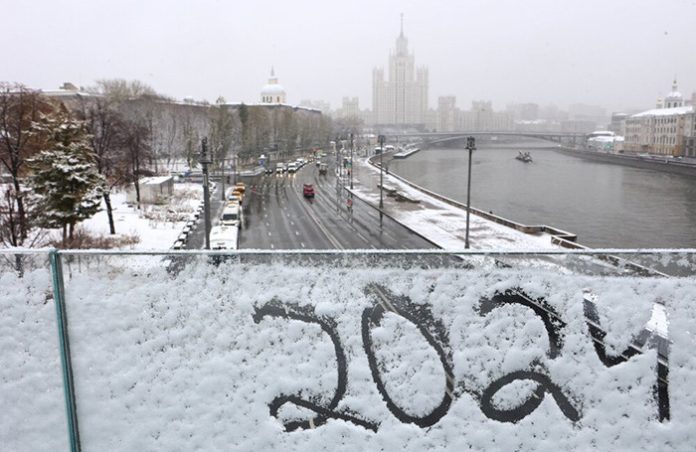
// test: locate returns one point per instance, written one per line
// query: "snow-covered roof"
(154, 180)
(666, 111)
(274, 104)
(602, 133)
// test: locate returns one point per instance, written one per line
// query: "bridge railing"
(367, 349)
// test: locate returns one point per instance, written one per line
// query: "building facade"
(402, 98)
(666, 130)
(447, 114)
(482, 118)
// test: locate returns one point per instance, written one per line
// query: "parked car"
(233, 199)
(231, 216)
(308, 190)
(223, 237)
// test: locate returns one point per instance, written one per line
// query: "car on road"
(323, 168)
(233, 199)
(224, 237)
(308, 191)
(239, 194)
(231, 216)
(269, 170)
(292, 167)
(280, 168)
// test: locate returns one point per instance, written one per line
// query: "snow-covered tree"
(107, 131)
(66, 185)
(19, 108)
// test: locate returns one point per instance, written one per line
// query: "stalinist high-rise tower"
(403, 98)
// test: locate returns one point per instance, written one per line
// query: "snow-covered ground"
(442, 223)
(193, 362)
(156, 226)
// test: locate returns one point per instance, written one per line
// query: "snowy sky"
(615, 53)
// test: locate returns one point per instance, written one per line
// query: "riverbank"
(666, 164)
(442, 221)
(607, 204)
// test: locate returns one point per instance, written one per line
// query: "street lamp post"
(381, 179)
(222, 192)
(338, 177)
(205, 161)
(351, 161)
(470, 146)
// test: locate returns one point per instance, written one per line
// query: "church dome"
(273, 89)
(674, 98)
(273, 92)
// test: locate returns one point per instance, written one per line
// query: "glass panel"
(32, 417)
(388, 351)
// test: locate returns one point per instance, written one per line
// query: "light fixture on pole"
(205, 161)
(470, 146)
(381, 178)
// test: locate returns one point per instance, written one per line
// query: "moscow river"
(606, 205)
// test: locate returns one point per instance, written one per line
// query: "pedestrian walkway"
(438, 221)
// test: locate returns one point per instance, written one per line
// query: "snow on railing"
(353, 350)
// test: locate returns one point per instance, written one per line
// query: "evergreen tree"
(67, 187)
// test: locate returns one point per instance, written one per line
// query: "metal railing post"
(64, 344)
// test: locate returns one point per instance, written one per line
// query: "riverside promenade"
(443, 222)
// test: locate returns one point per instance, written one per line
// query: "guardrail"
(160, 350)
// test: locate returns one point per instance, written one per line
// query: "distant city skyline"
(620, 55)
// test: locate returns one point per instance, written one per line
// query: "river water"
(606, 205)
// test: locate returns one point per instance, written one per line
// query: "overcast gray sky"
(615, 53)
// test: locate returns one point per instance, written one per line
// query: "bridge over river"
(566, 138)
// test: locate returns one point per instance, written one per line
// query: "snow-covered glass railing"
(348, 350)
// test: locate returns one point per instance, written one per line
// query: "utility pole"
(470, 146)
(204, 161)
(338, 178)
(222, 193)
(351, 161)
(381, 179)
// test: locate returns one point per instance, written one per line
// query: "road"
(277, 216)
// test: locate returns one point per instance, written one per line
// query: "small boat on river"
(524, 157)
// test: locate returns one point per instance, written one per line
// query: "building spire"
(674, 83)
(272, 71)
(402, 24)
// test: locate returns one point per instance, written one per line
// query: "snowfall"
(184, 362)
